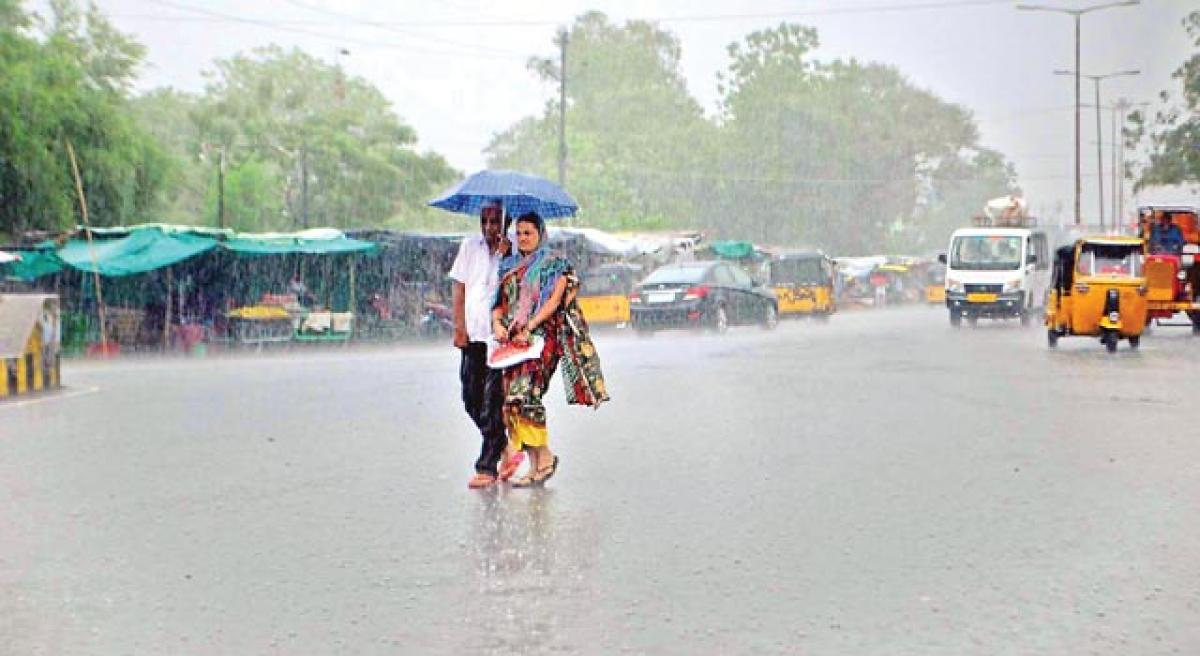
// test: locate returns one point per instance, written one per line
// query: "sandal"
(481, 480)
(511, 465)
(524, 481)
(543, 474)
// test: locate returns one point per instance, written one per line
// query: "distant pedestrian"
(474, 273)
(537, 300)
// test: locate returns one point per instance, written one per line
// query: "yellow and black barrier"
(30, 356)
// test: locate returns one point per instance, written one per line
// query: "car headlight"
(1012, 286)
(953, 285)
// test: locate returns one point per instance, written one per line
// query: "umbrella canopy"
(517, 192)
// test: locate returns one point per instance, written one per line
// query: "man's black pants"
(483, 397)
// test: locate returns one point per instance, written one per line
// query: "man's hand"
(460, 338)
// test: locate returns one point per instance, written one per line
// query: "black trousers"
(483, 397)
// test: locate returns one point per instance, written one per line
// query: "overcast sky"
(455, 69)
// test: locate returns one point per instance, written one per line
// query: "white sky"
(458, 82)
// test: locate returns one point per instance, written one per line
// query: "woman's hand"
(522, 336)
(500, 331)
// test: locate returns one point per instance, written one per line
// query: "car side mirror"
(942, 258)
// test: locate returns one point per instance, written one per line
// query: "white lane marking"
(51, 396)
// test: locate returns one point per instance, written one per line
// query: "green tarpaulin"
(32, 265)
(139, 252)
(138, 249)
(250, 245)
(733, 250)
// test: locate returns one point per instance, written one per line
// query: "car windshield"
(985, 253)
(1110, 260)
(676, 274)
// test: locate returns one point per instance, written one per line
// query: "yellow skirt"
(522, 432)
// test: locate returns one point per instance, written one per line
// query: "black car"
(712, 295)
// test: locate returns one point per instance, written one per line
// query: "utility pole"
(221, 187)
(1077, 13)
(304, 187)
(1099, 134)
(1122, 105)
(1099, 153)
(562, 107)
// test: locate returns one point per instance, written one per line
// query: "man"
(475, 276)
(1166, 237)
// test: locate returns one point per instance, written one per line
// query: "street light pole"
(1099, 134)
(1077, 13)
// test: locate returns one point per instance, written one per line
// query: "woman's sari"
(526, 284)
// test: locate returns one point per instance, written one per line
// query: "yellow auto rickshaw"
(604, 293)
(935, 284)
(804, 283)
(1099, 290)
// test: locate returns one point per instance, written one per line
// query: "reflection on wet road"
(883, 484)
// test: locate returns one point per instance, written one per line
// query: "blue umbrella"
(518, 192)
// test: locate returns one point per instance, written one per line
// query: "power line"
(338, 38)
(540, 22)
(390, 28)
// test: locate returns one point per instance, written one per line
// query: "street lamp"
(1077, 13)
(1099, 139)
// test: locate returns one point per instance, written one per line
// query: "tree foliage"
(631, 126)
(67, 80)
(1172, 135)
(846, 155)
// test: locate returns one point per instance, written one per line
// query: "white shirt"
(477, 268)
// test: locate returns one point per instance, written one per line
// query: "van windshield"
(985, 253)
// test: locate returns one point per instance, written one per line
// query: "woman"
(536, 298)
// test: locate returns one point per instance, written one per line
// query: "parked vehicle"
(604, 293)
(803, 282)
(706, 294)
(1099, 290)
(997, 273)
(935, 284)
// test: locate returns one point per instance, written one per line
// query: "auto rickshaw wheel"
(1195, 317)
(1110, 339)
(1135, 341)
(973, 320)
(955, 318)
(1052, 338)
(1024, 317)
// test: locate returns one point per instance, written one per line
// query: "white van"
(997, 273)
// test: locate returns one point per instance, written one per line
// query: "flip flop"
(539, 478)
(479, 481)
(511, 466)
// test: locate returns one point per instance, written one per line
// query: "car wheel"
(720, 320)
(770, 318)
(973, 320)
(955, 318)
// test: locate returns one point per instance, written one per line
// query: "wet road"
(882, 484)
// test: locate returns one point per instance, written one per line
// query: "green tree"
(635, 137)
(66, 80)
(845, 155)
(1172, 135)
(330, 147)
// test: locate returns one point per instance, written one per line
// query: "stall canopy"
(138, 249)
(733, 250)
(138, 252)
